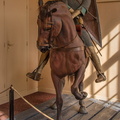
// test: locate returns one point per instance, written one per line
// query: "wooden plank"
(92, 110)
(115, 107)
(48, 112)
(70, 111)
(112, 105)
(105, 114)
(73, 110)
(31, 112)
(117, 104)
(116, 117)
(67, 102)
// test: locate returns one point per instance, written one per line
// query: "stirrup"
(100, 78)
(34, 75)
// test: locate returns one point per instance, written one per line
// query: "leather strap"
(69, 49)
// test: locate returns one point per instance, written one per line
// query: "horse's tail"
(71, 78)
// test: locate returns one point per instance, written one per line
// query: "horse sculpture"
(57, 34)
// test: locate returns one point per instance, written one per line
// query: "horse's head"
(56, 28)
(44, 28)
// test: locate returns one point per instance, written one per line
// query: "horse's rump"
(66, 61)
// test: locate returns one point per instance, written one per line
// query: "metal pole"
(11, 102)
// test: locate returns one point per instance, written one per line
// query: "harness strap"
(71, 48)
(55, 47)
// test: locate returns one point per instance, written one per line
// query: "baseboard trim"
(4, 99)
(46, 90)
(52, 91)
(103, 98)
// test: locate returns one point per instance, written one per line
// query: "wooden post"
(11, 102)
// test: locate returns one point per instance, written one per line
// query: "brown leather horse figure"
(57, 34)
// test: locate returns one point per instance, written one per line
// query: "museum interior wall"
(18, 53)
(110, 27)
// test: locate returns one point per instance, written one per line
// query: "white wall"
(110, 26)
(18, 53)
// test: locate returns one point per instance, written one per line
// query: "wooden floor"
(97, 110)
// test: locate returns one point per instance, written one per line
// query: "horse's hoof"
(84, 94)
(59, 118)
(54, 107)
(34, 75)
(82, 110)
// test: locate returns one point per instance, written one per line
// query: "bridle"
(47, 25)
(51, 38)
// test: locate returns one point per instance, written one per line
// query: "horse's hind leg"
(82, 109)
(53, 106)
(78, 79)
(78, 84)
(59, 101)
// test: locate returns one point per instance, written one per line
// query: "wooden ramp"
(97, 110)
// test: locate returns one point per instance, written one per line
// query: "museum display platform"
(97, 110)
